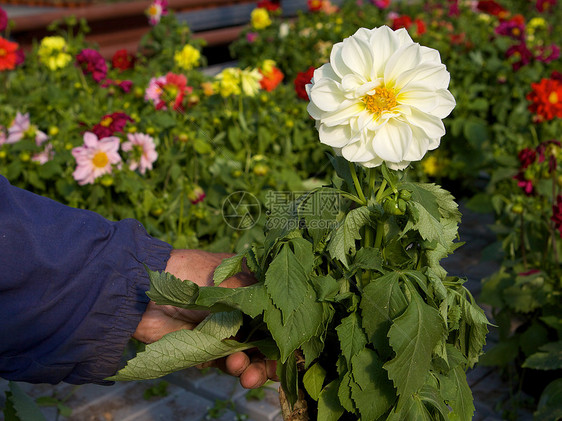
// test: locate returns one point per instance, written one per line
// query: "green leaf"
(456, 392)
(351, 336)
(371, 389)
(413, 336)
(475, 317)
(382, 301)
(301, 325)
(166, 289)
(286, 282)
(549, 357)
(411, 409)
(221, 325)
(368, 258)
(228, 268)
(342, 240)
(21, 405)
(312, 350)
(289, 379)
(430, 396)
(177, 351)
(344, 392)
(329, 407)
(437, 201)
(249, 300)
(550, 402)
(534, 336)
(313, 380)
(501, 354)
(326, 287)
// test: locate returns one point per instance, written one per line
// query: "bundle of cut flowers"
(350, 297)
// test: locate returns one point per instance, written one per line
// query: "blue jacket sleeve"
(72, 288)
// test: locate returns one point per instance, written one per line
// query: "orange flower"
(546, 99)
(8, 56)
(271, 79)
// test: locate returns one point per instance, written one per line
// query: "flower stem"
(554, 248)
(380, 192)
(356, 183)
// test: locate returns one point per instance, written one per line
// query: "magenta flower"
(381, 4)
(548, 53)
(124, 85)
(545, 5)
(511, 28)
(526, 156)
(3, 19)
(156, 10)
(557, 214)
(526, 185)
(92, 63)
(95, 158)
(520, 52)
(143, 151)
(251, 37)
(111, 124)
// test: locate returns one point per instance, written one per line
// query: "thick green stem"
(380, 232)
(357, 183)
(380, 192)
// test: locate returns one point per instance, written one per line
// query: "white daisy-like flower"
(381, 98)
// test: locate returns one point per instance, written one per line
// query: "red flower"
(110, 124)
(420, 26)
(403, 21)
(381, 4)
(546, 99)
(92, 63)
(527, 156)
(526, 185)
(302, 79)
(123, 60)
(493, 8)
(270, 80)
(544, 5)
(513, 27)
(8, 54)
(124, 85)
(271, 6)
(314, 5)
(557, 214)
(556, 75)
(3, 19)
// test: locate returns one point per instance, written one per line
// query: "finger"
(236, 364)
(271, 369)
(255, 375)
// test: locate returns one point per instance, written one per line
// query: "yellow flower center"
(153, 10)
(553, 98)
(100, 159)
(3, 52)
(384, 99)
(516, 32)
(106, 122)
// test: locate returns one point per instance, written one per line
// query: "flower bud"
(261, 169)
(106, 180)
(394, 207)
(53, 131)
(25, 157)
(405, 195)
(196, 195)
(517, 208)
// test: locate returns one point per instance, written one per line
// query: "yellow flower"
(260, 18)
(188, 57)
(250, 81)
(208, 88)
(52, 52)
(228, 82)
(534, 24)
(267, 67)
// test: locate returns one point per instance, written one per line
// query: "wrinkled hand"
(198, 266)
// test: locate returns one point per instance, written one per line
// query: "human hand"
(158, 320)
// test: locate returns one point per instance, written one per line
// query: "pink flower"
(92, 63)
(17, 129)
(22, 126)
(143, 151)
(520, 52)
(95, 158)
(557, 214)
(156, 10)
(3, 19)
(381, 4)
(45, 155)
(251, 37)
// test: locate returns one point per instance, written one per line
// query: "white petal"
(429, 75)
(422, 99)
(347, 110)
(353, 82)
(383, 43)
(315, 112)
(337, 136)
(326, 95)
(325, 71)
(357, 56)
(405, 58)
(392, 141)
(430, 54)
(397, 165)
(357, 152)
(375, 162)
(431, 125)
(403, 36)
(446, 103)
(338, 64)
(418, 147)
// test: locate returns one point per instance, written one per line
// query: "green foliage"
(20, 406)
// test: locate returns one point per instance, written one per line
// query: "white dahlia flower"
(381, 98)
